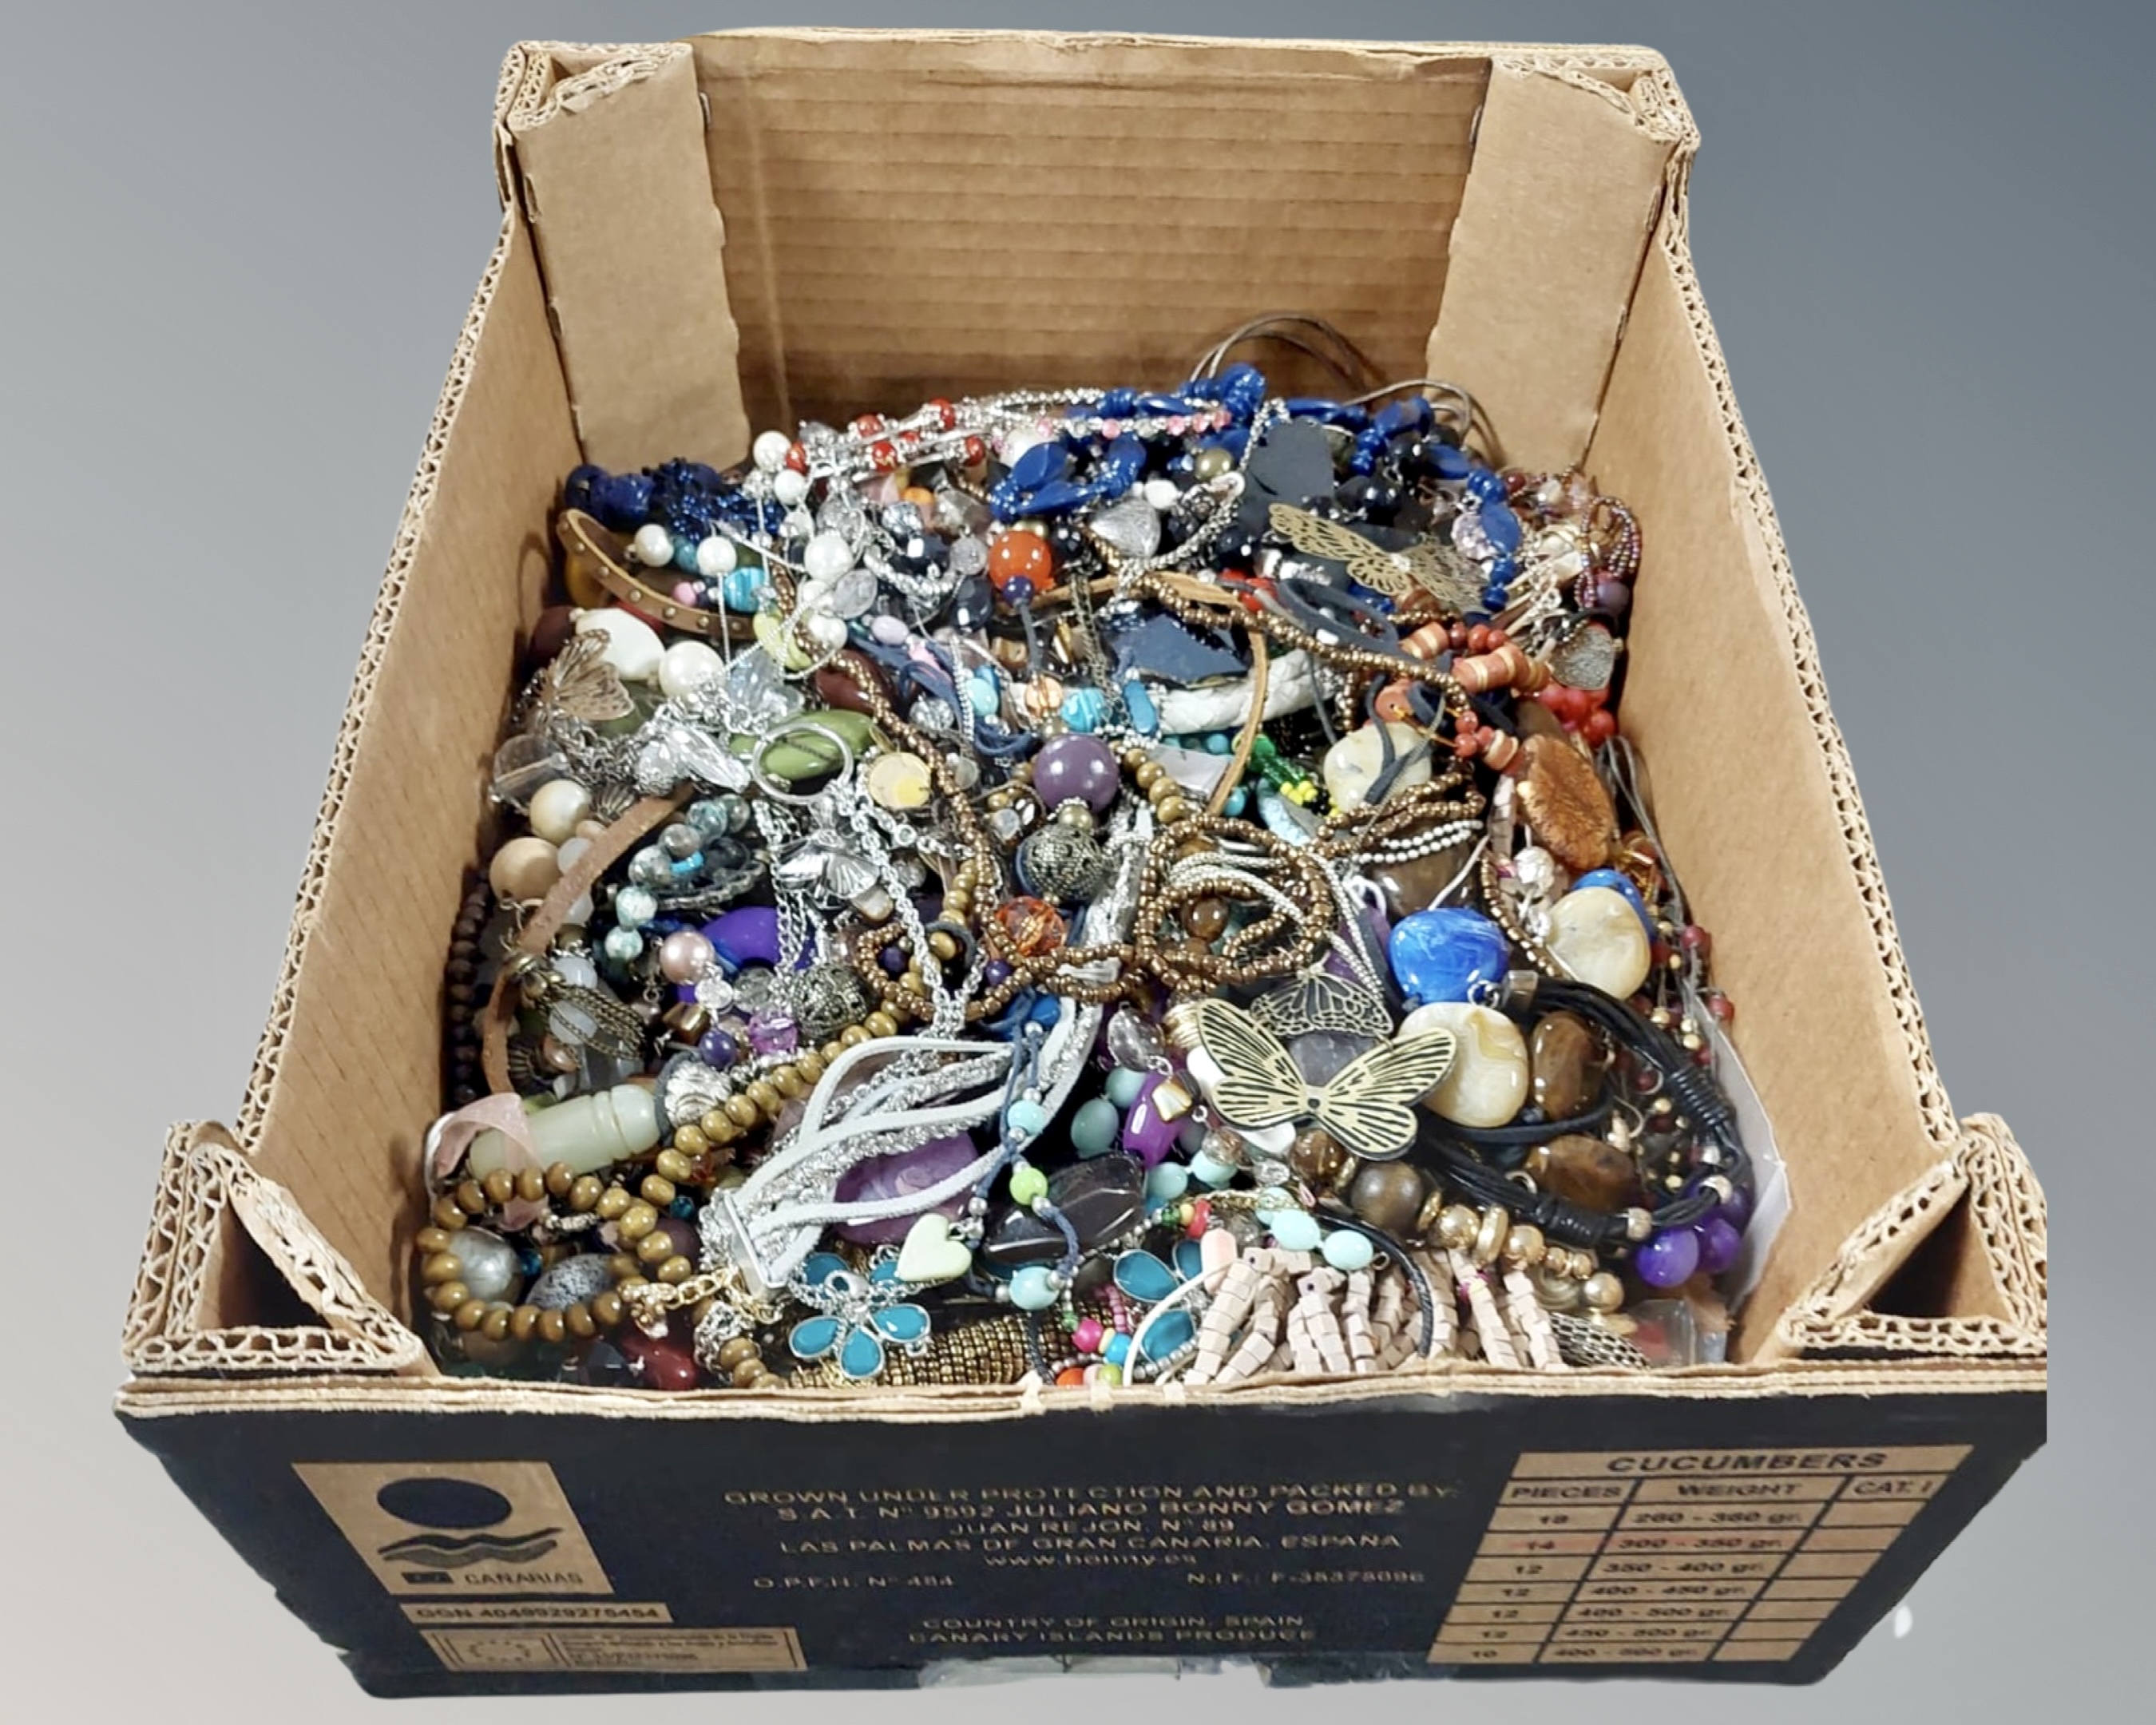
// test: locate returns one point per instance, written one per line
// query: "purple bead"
(1018, 590)
(995, 973)
(748, 935)
(1718, 1244)
(772, 1031)
(893, 960)
(718, 1048)
(1147, 1133)
(1076, 766)
(1668, 1259)
(912, 1171)
(1736, 1210)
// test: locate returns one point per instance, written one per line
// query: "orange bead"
(1070, 1377)
(1393, 702)
(1021, 554)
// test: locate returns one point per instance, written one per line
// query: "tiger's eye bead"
(1388, 1194)
(789, 1082)
(879, 1025)
(448, 1296)
(742, 1112)
(734, 1350)
(586, 1192)
(811, 1066)
(440, 1267)
(448, 1215)
(606, 1309)
(499, 1186)
(1206, 918)
(560, 1177)
(553, 1327)
(1316, 1155)
(495, 1325)
(672, 1270)
(470, 1315)
(750, 1372)
(531, 1184)
(471, 1198)
(622, 1267)
(613, 1202)
(656, 1190)
(636, 1221)
(524, 1323)
(429, 1241)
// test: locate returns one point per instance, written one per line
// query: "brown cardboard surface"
(350, 1069)
(1567, 179)
(972, 212)
(1756, 801)
(609, 167)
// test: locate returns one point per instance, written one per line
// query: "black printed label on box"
(466, 1528)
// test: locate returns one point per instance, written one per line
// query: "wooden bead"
(853, 1035)
(764, 1095)
(674, 1164)
(585, 1193)
(879, 1024)
(553, 1327)
(636, 1221)
(734, 1350)
(581, 1322)
(613, 1202)
(531, 1184)
(621, 1267)
(471, 1198)
(440, 1267)
(432, 1240)
(606, 1309)
(560, 1177)
(748, 1372)
(447, 1297)
(811, 1066)
(656, 1190)
(832, 1049)
(448, 1217)
(500, 1186)
(789, 1082)
(470, 1315)
(524, 1323)
(655, 1247)
(495, 1326)
(742, 1112)
(675, 1268)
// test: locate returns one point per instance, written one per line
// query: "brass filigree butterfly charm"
(579, 684)
(1368, 1107)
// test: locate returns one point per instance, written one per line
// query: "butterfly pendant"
(577, 683)
(1425, 564)
(1247, 1074)
(1318, 1000)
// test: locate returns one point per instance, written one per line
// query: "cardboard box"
(745, 229)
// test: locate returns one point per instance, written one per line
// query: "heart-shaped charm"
(930, 1253)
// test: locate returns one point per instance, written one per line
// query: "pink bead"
(1217, 1251)
(685, 956)
(684, 593)
(1089, 1335)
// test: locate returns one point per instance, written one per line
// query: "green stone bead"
(1027, 1183)
(1094, 1127)
(1122, 1085)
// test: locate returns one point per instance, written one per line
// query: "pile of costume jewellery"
(1100, 885)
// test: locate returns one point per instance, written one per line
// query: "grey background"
(240, 243)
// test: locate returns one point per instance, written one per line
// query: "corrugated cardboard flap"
(604, 150)
(1971, 1234)
(215, 1210)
